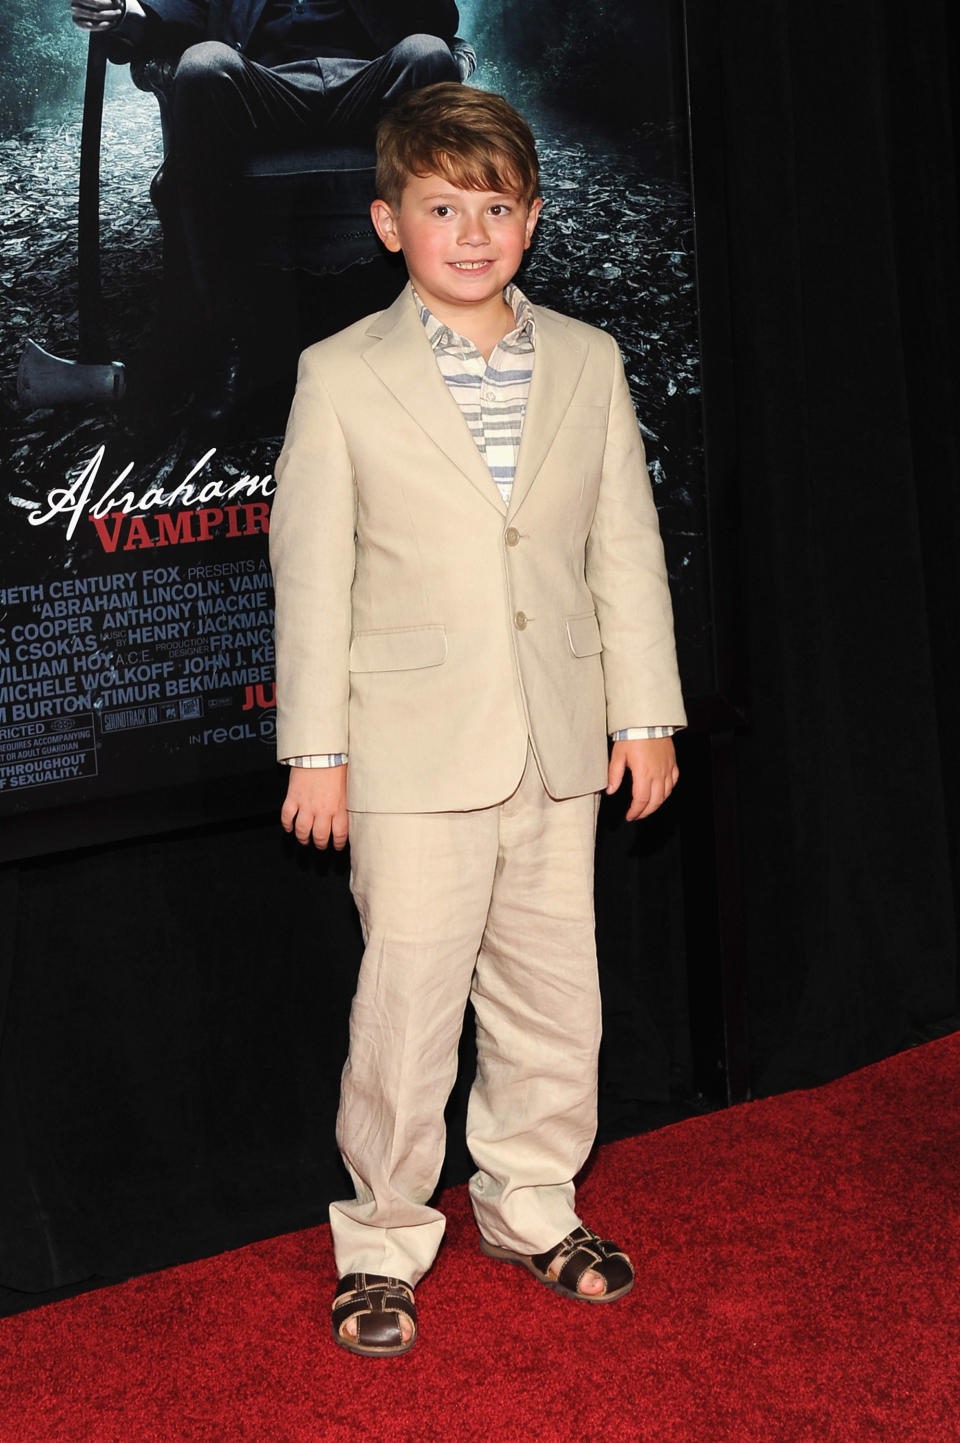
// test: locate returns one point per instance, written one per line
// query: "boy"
(466, 615)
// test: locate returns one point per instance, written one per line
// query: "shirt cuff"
(131, 24)
(319, 759)
(642, 734)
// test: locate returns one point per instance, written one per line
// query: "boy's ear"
(385, 225)
(533, 215)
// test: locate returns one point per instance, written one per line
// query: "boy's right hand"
(315, 808)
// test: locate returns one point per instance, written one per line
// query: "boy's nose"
(473, 231)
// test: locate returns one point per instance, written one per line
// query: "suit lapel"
(404, 362)
(560, 357)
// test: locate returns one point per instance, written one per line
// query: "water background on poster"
(135, 599)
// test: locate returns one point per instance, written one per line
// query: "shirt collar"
(522, 336)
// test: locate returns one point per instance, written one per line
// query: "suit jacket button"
(511, 536)
(520, 620)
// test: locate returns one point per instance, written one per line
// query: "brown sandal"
(581, 1252)
(376, 1302)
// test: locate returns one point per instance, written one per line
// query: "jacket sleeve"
(389, 22)
(626, 572)
(168, 27)
(313, 556)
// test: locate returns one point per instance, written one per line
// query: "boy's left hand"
(653, 771)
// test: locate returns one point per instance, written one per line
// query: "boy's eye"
(499, 209)
(441, 210)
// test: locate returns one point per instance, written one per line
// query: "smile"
(470, 265)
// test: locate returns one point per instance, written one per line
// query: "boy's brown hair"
(473, 138)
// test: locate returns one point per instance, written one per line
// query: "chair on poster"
(304, 208)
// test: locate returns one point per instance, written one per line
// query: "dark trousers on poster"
(224, 106)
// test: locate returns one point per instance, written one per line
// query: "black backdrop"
(828, 210)
(174, 1009)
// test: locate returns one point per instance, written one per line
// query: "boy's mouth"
(470, 265)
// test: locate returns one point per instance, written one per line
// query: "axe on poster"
(47, 380)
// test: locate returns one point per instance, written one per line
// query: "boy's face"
(461, 246)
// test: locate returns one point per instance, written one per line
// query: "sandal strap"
(375, 1301)
(582, 1251)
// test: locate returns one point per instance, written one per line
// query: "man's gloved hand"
(97, 14)
(465, 56)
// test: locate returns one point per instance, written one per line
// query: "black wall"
(828, 238)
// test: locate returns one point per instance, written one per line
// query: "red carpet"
(798, 1279)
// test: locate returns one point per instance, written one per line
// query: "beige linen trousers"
(494, 905)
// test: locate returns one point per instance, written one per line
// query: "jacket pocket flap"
(400, 649)
(583, 634)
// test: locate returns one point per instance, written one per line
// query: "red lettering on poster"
(117, 531)
(259, 696)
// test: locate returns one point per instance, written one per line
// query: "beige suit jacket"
(427, 629)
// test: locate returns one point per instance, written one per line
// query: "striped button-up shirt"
(492, 396)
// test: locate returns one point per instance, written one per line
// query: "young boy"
(470, 594)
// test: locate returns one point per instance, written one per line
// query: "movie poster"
(136, 647)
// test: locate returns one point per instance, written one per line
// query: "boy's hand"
(653, 770)
(315, 808)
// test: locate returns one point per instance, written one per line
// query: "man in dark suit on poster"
(254, 73)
